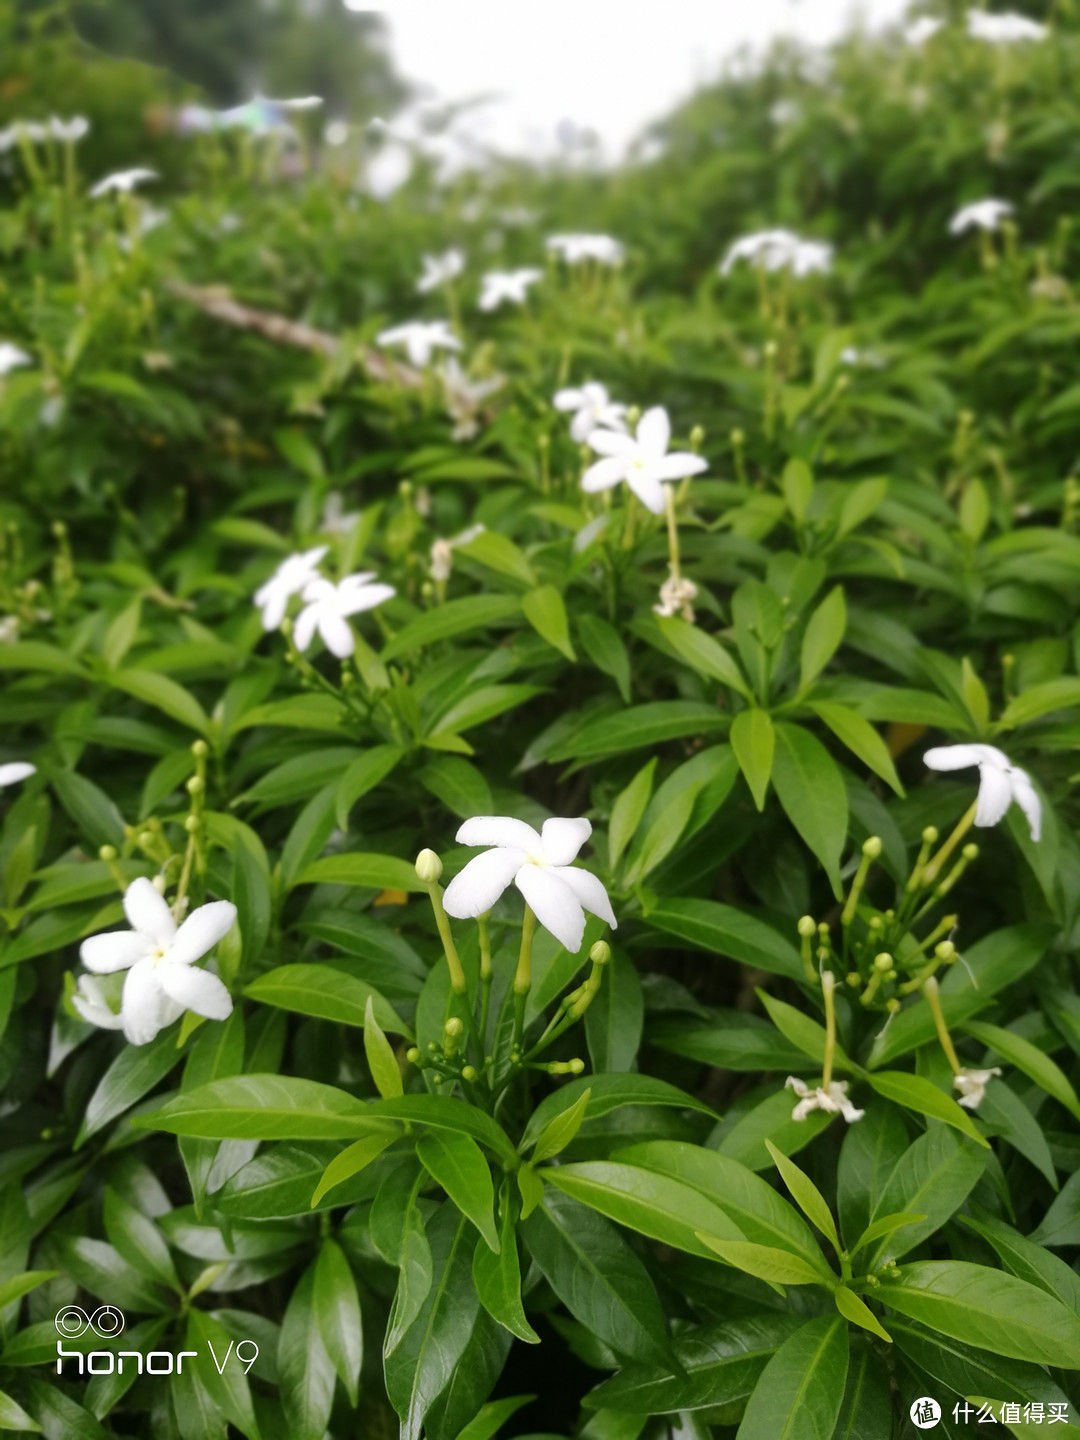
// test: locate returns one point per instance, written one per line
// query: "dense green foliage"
(427, 1161)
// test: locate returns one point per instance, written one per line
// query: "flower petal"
(200, 932)
(553, 903)
(1023, 792)
(679, 465)
(118, 950)
(648, 487)
(960, 757)
(563, 839)
(604, 474)
(12, 773)
(337, 637)
(589, 891)
(91, 1004)
(654, 432)
(995, 794)
(148, 913)
(366, 597)
(274, 606)
(196, 990)
(610, 442)
(499, 830)
(304, 629)
(568, 399)
(475, 889)
(142, 1005)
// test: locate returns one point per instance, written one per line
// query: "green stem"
(930, 990)
(523, 976)
(672, 530)
(933, 867)
(828, 984)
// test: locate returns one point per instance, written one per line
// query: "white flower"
(778, 250)
(676, 598)
(440, 270)
(9, 629)
(388, 170)
(89, 1000)
(442, 552)
(507, 285)
(263, 116)
(464, 397)
(335, 520)
(972, 1085)
(288, 580)
(982, 215)
(162, 981)
(593, 410)
(11, 357)
(1003, 29)
(327, 606)
(575, 248)
(15, 771)
(71, 130)
(643, 462)
(420, 338)
(121, 181)
(812, 257)
(834, 1100)
(999, 782)
(540, 867)
(870, 359)
(21, 130)
(922, 29)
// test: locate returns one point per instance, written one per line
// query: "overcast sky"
(611, 65)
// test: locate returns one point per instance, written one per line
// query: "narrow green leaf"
(455, 1162)
(753, 741)
(806, 1195)
(802, 1387)
(546, 613)
(336, 1306)
(822, 636)
(915, 1092)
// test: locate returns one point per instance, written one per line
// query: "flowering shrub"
(537, 811)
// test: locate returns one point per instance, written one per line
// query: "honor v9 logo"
(108, 1323)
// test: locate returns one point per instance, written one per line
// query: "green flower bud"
(970, 851)
(200, 749)
(872, 847)
(883, 961)
(576, 1067)
(600, 953)
(428, 867)
(192, 823)
(412, 1055)
(468, 1072)
(196, 785)
(930, 835)
(945, 951)
(107, 852)
(453, 1027)
(807, 926)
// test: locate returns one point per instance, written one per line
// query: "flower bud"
(883, 962)
(146, 838)
(600, 953)
(453, 1027)
(872, 847)
(697, 436)
(737, 437)
(196, 785)
(107, 852)
(945, 951)
(468, 1072)
(807, 926)
(412, 1055)
(200, 749)
(892, 1005)
(633, 415)
(576, 1066)
(428, 867)
(854, 979)
(158, 883)
(930, 835)
(192, 823)
(970, 852)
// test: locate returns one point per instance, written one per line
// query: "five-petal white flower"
(327, 605)
(506, 285)
(420, 338)
(980, 215)
(1005, 28)
(122, 182)
(778, 250)
(68, 131)
(162, 981)
(575, 248)
(290, 577)
(11, 357)
(539, 865)
(642, 461)
(1000, 782)
(440, 270)
(972, 1085)
(834, 1100)
(15, 771)
(593, 410)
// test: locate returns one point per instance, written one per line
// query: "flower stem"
(672, 530)
(930, 990)
(485, 980)
(828, 984)
(523, 976)
(933, 867)
(457, 974)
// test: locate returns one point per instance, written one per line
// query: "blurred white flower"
(11, 357)
(121, 182)
(388, 170)
(464, 397)
(21, 130)
(868, 359)
(439, 270)
(972, 1085)
(90, 1001)
(677, 595)
(69, 131)
(539, 865)
(834, 1100)
(642, 461)
(327, 607)
(980, 215)
(9, 629)
(922, 29)
(442, 552)
(263, 116)
(420, 338)
(335, 520)
(1000, 782)
(779, 250)
(290, 577)
(1003, 29)
(336, 133)
(15, 771)
(575, 248)
(162, 981)
(506, 285)
(593, 410)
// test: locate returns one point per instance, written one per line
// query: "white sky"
(606, 65)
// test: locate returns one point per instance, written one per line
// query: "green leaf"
(35, 655)
(801, 1389)
(446, 622)
(704, 654)
(867, 1411)
(613, 1022)
(121, 633)
(731, 1040)
(1027, 1260)
(278, 1182)
(602, 644)
(266, 1107)
(797, 487)
(442, 1112)
(639, 727)
(861, 739)
(709, 925)
(337, 1312)
(380, 1055)
(326, 992)
(380, 872)
(134, 1072)
(859, 1313)
(456, 1162)
(352, 1160)
(92, 811)
(886, 1225)
(915, 1092)
(498, 552)
(860, 503)
(164, 695)
(497, 1273)
(822, 636)
(806, 1195)
(298, 712)
(1029, 1059)
(61, 1417)
(458, 784)
(811, 789)
(300, 452)
(14, 1417)
(362, 775)
(561, 1129)
(139, 1240)
(628, 809)
(493, 1416)
(20, 1285)
(776, 1267)
(305, 1368)
(974, 695)
(546, 613)
(802, 1030)
(611, 1092)
(771, 1119)
(986, 1308)
(753, 741)
(597, 1276)
(1039, 700)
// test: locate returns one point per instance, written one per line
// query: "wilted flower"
(677, 595)
(442, 552)
(11, 357)
(1000, 782)
(923, 29)
(439, 269)
(122, 182)
(327, 605)
(420, 338)
(981, 215)
(834, 1100)
(68, 131)
(575, 248)
(162, 981)
(15, 771)
(288, 580)
(1003, 29)
(779, 250)
(643, 461)
(91, 1003)
(539, 865)
(972, 1085)
(502, 285)
(593, 410)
